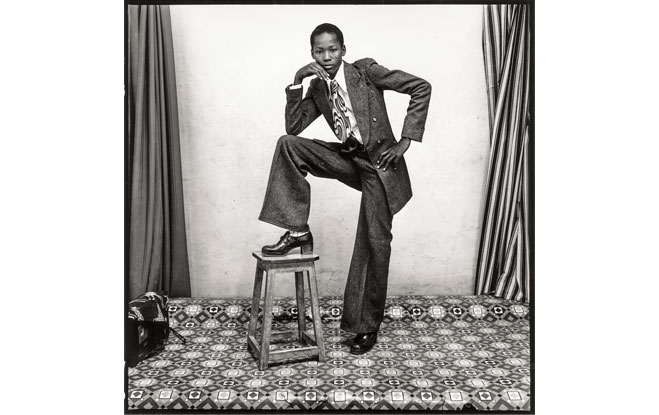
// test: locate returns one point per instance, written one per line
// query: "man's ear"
(343, 50)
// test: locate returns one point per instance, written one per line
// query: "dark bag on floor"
(147, 327)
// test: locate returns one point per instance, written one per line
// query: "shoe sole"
(304, 250)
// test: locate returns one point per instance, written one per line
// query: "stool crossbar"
(300, 264)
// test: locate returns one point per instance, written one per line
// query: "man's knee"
(286, 140)
(381, 237)
(379, 226)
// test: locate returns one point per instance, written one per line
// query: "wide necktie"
(342, 127)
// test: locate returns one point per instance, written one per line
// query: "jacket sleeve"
(299, 112)
(418, 89)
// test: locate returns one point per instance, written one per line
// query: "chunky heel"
(306, 248)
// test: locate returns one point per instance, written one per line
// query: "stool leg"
(256, 300)
(315, 313)
(267, 319)
(299, 293)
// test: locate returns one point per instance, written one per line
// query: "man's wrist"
(404, 143)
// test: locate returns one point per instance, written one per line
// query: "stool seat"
(285, 259)
(272, 266)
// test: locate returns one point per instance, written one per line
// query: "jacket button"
(379, 141)
(374, 119)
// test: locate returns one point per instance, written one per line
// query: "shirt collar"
(341, 76)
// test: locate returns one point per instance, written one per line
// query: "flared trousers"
(287, 204)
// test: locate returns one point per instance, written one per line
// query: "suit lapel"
(320, 91)
(358, 93)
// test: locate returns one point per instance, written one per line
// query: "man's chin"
(332, 71)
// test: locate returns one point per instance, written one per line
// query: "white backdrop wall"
(232, 65)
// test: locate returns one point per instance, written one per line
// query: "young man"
(367, 158)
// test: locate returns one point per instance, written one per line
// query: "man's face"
(328, 52)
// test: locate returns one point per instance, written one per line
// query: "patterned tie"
(342, 127)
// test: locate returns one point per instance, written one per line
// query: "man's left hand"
(390, 156)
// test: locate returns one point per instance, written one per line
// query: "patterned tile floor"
(433, 353)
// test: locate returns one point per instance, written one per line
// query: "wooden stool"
(299, 264)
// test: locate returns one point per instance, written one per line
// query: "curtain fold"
(158, 255)
(503, 267)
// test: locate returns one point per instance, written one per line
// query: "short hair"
(326, 28)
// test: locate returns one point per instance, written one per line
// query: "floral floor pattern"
(433, 353)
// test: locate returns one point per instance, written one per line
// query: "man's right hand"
(310, 70)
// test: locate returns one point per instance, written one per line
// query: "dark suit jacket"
(366, 81)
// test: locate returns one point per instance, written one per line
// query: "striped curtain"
(503, 267)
